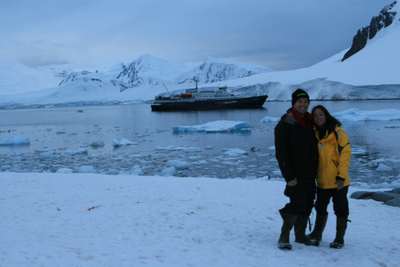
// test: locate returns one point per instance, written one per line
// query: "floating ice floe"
(234, 152)
(358, 115)
(97, 144)
(358, 151)
(137, 170)
(47, 155)
(392, 126)
(171, 171)
(165, 148)
(178, 164)
(14, 141)
(82, 150)
(122, 142)
(372, 115)
(384, 168)
(189, 149)
(85, 169)
(221, 126)
(186, 149)
(270, 119)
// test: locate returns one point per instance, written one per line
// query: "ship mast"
(167, 90)
(196, 80)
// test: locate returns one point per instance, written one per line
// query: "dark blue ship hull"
(209, 104)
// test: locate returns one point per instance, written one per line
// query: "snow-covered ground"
(98, 220)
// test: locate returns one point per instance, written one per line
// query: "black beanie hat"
(299, 93)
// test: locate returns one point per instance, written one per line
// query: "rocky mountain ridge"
(383, 20)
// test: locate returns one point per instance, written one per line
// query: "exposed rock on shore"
(391, 198)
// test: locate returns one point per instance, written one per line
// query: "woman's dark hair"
(328, 117)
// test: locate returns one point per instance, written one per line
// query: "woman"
(332, 176)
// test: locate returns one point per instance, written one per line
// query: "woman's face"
(319, 117)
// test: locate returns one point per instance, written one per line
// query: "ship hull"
(234, 103)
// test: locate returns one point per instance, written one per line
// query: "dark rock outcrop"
(383, 20)
(390, 198)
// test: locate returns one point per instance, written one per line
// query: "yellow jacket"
(334, 158)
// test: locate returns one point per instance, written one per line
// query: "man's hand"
(292, 182)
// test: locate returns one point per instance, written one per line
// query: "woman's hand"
(339, 182)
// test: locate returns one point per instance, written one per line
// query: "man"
(297, 155)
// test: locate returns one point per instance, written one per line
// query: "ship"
(206, 99)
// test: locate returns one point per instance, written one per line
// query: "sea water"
(57, 136)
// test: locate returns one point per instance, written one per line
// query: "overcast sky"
(279, 34)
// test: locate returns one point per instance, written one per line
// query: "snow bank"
(98, 220)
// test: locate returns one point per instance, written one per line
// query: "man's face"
(301, 105)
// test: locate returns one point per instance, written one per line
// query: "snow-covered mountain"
(370, 73)
(17, 78)
(213, 70)
(149, 71)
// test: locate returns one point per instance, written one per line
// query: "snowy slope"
(16, 78)
(374, 67)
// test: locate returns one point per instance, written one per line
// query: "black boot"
(319, 227)
(341, 226)
(288, 222)
(300, 232)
